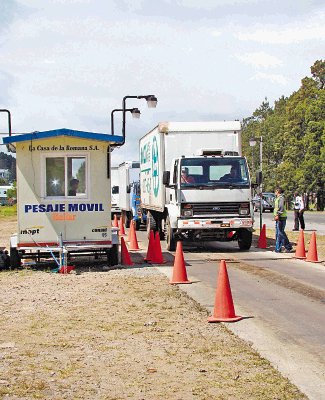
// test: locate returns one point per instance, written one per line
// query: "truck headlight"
(244, 209)
(188, 213)
(187, 210)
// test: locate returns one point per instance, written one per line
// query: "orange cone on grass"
(157, 257)
(261, 244)
(151, 247)
(125, 255)
(224, 310)
(179, 269)
(300, 249)
(121, 226)
(312, 255)
(133, 245)
(115, 222)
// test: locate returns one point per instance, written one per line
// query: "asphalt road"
(315, 221)
(282, 299)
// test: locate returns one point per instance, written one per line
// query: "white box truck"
(115, 196)
(129, 201)
(195, 184)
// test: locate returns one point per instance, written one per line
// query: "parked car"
(267, 202)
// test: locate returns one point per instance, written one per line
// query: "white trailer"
(129, 176)
(115, 189)
(63, 195)
(211, 205)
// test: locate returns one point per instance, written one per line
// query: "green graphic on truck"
(155, 166)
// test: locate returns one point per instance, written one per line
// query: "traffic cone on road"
(133, 245)
(224, 310)
(261, 244)
(179, 269)
(312, 255)
(151, 247)
(115, 222)
(157, 257)
(300, 249)
(121, 226)
(125, 255)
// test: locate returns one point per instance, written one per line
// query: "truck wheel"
(14, 258)
(170, 236)
(127, 219)
(151, 224)
(244, 239)
(112, 255)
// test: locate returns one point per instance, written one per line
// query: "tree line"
(293, 140)
(8, 162)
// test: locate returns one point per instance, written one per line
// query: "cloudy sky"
(68, 63)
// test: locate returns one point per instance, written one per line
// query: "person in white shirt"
(299, 208)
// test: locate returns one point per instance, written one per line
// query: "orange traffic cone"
(133, 238)
(224, 310)
(157, 257)
(300, 249)
(115, 223)
(261, 244)
(179, 270)
(312, 255)
(151, 246)
(66, 269)
(121, 226)
(125, 255)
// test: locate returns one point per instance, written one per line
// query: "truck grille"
(215, 208)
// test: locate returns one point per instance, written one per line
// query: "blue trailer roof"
(103, 137)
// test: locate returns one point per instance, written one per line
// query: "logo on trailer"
(155, 166)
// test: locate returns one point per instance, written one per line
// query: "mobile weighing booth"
(63, 195)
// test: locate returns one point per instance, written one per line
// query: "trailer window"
(65, 176)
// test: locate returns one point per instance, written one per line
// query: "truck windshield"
(214, 172)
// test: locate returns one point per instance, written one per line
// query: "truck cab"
(209, 198)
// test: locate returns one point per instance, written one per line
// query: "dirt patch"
(8, 226)
(120, 334)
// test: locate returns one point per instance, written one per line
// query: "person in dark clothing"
(74, 183)
(280, 217)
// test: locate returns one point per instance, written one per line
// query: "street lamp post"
(9, 119)
(134, 111)
(151, 102)
(252, 143)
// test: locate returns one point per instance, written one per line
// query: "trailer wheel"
(170, 236)
(151, 224)
(245, 239)
(137, 225)
(126, 219)
(15, 261)
(112, 255)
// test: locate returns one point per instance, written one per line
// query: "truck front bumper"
(231, 223)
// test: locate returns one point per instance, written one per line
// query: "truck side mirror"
(259, 177)
(128, 189)
(166, 178)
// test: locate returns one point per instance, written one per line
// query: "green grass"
(7, 211)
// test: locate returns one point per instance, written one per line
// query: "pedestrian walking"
(298, 208)
(280, 217)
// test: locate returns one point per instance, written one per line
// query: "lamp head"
(151, 101)
(135, 113)
(252, 142)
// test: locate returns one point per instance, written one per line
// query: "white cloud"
(212, 4)
(273, 78)
(259, 59)
(312, 28)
